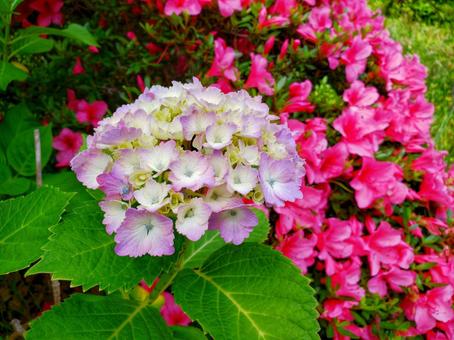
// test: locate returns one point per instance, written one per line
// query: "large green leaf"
(24, 226)
(67, 181)
(16, 120)
(197, 252)
(21, 150)
(14, 186)
(8, 73)
(99, 317)
(73, 31)
(187, 333)
(80, 250)
(32, 45)
(249, 292)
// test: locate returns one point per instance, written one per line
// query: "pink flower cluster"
(188, 154)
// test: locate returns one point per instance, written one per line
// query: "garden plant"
(223, 169)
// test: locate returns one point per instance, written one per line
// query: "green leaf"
(99, 317)
(67, 182)
(24, 226)
(8, 73)
(197, 252)
(248, 292)
(73, 31)
(187, 333)
(32, 45)
(14, 186)
(21, 151)
(16, 120)
(81, 251)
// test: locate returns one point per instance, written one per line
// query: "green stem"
(166, 279)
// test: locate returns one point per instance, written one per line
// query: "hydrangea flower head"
(183, 159)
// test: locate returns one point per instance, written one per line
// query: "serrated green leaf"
(187, 333)
(32, 45)
(67, 182)
(197, 252)
(24, 226)
(99, 317)
(81, 251)
(8, 73)
(16, 120)
(248, 292)
(21, 150)
(73, 31)
(14, 186)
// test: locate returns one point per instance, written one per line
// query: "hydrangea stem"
(166, 279)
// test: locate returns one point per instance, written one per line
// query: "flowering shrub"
(372, 230)
(190, 153)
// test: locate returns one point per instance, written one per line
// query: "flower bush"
(373, 228)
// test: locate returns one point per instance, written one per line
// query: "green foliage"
(80, 250)
(100, 317)
(197, 252)
(24, 226)
(21, 151)
(248, 292)
(17, 119)
(8, 73)
(73, 31)
(187, 333)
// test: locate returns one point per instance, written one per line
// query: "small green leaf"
(248, 292)
(73, 31)
(81, 251)
(24, 226)
(197, 252)
(187, 333)
(14, 186)
(32, 45)
(99, 317)
(8, 73)
(21, 151)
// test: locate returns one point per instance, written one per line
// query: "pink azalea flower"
(259, 77)
(385, 246)
(67, 144)
(227, 7)
(283, 7)
(223, 63)
(431, 161)
(268, 21)
(355, 58)
(376, 180)
(78, 68)
(299, 249)
(359, 95)
(172, 313)
(395, 278)
(143, 232)
(90, 113)
(434, 189)
(319, 21)
(268, 46)
(431, 307)
(345, 278)
(298, 102)
(193, 7)
(49, 12)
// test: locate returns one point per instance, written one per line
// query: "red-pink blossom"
(377, 180)
(395, 278)
(259, 77)
(355, 57)
(227, 7)
(78, 68)
(384, 246)
(299, 249)
(223, 63)
(360, 95)
(172, 313)
(192, 7)
(67, 144)
(90, 113)
(49, 12)
(298, 102)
